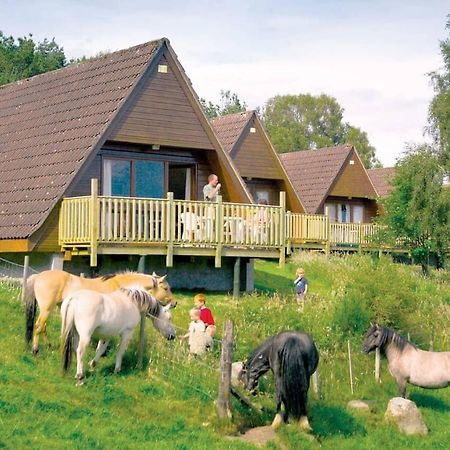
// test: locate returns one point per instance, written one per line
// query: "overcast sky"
(372, 56)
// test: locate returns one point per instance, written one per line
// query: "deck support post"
(219, 232)
(236, 277)
(282, 229)
(170, 229)
(327, 232)
(141, 264)
(93, 215)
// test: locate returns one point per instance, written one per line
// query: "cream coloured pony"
(48, 288)
(86, 313)
(407, 363)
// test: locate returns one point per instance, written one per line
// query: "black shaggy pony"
(293, 358)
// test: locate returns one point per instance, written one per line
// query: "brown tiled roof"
(49, 124)
(229, 128)
(381, 179)
(312, 172)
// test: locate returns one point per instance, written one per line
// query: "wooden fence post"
(316, 383)
(26, 269)
(350, 370)
(223, 402)
(141, 347)
(377, 365)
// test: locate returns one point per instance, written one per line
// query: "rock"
(406, 415)
(236, 368)
(360, 405)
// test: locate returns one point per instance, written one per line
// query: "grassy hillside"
(170, 404)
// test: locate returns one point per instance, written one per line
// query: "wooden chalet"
(243, 136)
(333, 180)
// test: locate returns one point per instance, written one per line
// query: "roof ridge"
(226, 116)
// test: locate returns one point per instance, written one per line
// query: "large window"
(133, 177)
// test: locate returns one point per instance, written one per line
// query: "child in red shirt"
(205, 314)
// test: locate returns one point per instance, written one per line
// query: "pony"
(407, 363)
(293, 358)
(86, 312)
(48, 288)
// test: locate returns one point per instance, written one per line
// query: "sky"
(372, 56)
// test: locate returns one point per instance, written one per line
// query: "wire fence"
(11, 273)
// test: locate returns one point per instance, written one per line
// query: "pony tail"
(67, 335)
(295, 382)
(30, 308)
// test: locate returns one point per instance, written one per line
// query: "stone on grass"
(406, 415)
(360, 405)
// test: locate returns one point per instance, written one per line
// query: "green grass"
(170, 404)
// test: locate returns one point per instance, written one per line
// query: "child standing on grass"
(205, 314)
(301, 287)
(198, 339)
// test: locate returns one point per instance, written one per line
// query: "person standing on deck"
(211, 190)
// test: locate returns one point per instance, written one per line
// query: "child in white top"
(198, 339)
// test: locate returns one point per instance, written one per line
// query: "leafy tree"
(229, 104)
(439, 110)
(304, 121)
(417, 211)
(25, 58)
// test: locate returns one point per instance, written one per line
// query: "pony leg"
(401, 384)
(41, 326)
(278, 419)
(304, 425)
(83, 344)
(101, 348)
(126, 336)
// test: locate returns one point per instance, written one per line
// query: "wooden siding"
(162, 114)
(253, 158)
(353, 180)
(46, 238)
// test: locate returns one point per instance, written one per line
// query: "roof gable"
(353, 180)
(161, 113)
(229, 128)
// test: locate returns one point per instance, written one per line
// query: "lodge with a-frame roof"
(108, 158)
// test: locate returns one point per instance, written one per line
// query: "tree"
(439, 110)
(359, 139)
(302, 122)
(24, 58)
(229, 104)
(417, 211)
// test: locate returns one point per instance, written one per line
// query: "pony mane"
(143, 300)
(122, 272)
(389, 336)
(258, 351)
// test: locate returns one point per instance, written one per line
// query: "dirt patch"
(259, 436)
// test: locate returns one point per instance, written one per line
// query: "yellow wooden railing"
(102, 221)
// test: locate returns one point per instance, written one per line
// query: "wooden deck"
(96, 225)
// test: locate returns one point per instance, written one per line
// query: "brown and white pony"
(48, 288)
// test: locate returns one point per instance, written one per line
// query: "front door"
(181, 181)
